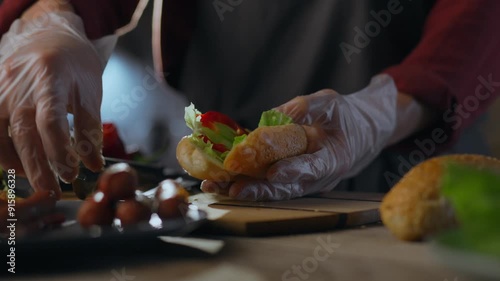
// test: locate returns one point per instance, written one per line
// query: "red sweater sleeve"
(100, 17)
(10, 10)
(104, 17)
(455, 68)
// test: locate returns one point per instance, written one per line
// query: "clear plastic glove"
(345, 133)
(47, 69)
(32, 214)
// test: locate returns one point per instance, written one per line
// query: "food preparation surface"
(362, 253)
(325, 212)
(366, 252)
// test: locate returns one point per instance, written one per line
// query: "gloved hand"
(33, 214)
(345, 133)
(49, 68)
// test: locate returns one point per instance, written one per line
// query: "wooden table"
(363, 253)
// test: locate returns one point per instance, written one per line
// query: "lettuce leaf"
(223, 134)
(219, 134)
(191, 117)
(239, 139)
(207, 148)
(268, 118)
(475, 197)
(274, 118)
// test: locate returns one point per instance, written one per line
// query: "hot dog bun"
(252, 157)
(198, 164)
(415, 208)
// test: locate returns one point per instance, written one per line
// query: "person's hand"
(28, 215)
(49, 68)
(345, 133)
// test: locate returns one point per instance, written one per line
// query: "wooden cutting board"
(310, 214)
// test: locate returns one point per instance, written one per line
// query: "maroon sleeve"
(101, 17)
(455, 69)
(104, 17)
(10, 10)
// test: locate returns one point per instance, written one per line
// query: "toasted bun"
(263, 147)
(415, 208)
(198, 164)
(252, 157)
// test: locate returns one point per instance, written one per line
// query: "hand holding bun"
(415, 207)
(336, 136)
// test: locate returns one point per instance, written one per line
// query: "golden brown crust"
(252, 157)
(265, 146)
(415, 208)
(194, 161)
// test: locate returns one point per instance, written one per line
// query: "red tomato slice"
(210, 117)
(112, 144)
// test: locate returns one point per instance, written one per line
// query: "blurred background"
(150, 117)
(148, 114)
(492, 129)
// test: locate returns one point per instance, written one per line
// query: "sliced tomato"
(209, 118)
(215, 146)
(112, 144)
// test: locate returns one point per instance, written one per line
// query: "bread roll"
(263, 147)
(252, 157)
(415, 208)
(198, 164)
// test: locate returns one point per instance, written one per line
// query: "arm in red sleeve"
(10, 10)
(105, 17)
(455, 69)
(100, 17)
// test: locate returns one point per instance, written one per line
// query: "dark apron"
(253, 55)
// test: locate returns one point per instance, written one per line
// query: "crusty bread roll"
(198, 164)
(252, 157)
(415, 208)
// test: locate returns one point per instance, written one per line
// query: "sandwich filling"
(216, 133)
